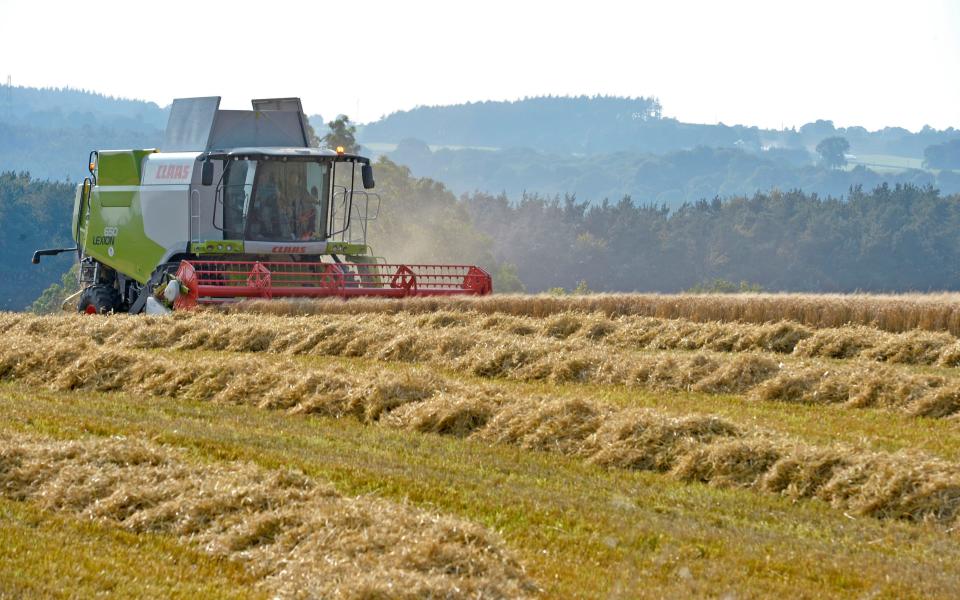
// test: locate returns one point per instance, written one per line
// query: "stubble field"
(509, 446)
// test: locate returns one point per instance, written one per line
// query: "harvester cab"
(235, 205)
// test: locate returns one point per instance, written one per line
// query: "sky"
(772, 64)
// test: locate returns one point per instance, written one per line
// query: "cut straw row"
(896, 313)
(483, 346)
(297, 537)
(909, 486)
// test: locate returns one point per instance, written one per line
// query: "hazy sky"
(757, 63)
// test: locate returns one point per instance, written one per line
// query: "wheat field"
(894, 312)
(595, 446)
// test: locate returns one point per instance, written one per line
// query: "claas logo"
(289, 249)
(174, 171)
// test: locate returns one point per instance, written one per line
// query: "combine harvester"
(236, 205)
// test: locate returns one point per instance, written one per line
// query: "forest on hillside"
(49, 132)
(889, 239)
(33, 214)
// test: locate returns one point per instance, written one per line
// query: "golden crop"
(895, 313)
(775, 396)
(299, 537)
(851, 366)
(700, 448)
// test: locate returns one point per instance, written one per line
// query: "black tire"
(99, 299)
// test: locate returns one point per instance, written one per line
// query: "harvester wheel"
(99, 299)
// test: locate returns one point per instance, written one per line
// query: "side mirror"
(92, 162)
(366, 173)
(85, 193)
(206, 173)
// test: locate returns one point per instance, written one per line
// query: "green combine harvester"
(236, 205)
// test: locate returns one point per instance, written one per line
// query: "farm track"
(694, 448)
(853, 367)
(296, 537)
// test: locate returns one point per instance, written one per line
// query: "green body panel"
(114, 199)
(361, 259)
(133, 253)
(217, 247)
(371, 274)
(358, 251)
(120, 167)
(347, 248)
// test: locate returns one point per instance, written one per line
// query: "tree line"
(33, 214)
(899, 237)
(891, 238)
(942, 156)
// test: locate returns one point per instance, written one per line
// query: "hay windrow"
(738, 375)
(874, 387)
(846, 342)
(736, 462)
(896, 487)
(666, 372)
(698, 448)
(298, 537)
(411, 337)
(912, 348)
(943, 402)
(444, 414)
(548, 425)
(484, 346)
(893, 313)
(645, 440)
(805, 472)
(710, 450)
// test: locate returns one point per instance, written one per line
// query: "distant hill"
(49, 132)
(669, 179)
(607, 147)
(555, 124)
(595, 147)
(603, 124)
(61, 153)
(52, 108)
